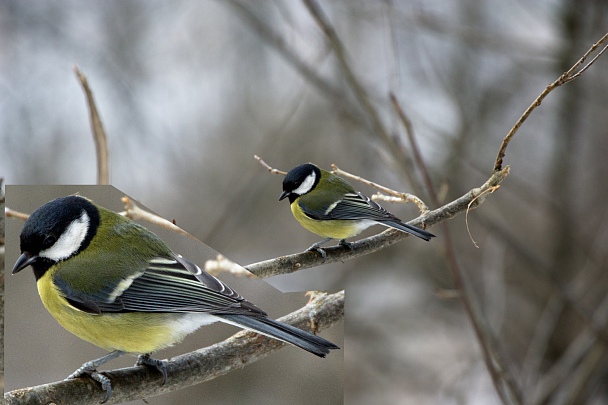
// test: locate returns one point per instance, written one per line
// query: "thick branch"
(131, 383)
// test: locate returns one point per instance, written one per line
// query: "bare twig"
(134, 212)
(15, 214)
(186, 370)
(99, 134)
(490, 190)
(567, 77)
(223, 265)
(570, 75)
(404, 197)
(268, 167)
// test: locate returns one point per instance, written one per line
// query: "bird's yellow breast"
(135, 332)
(336, 228)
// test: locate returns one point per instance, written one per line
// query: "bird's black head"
(56, 231)
(299, 181)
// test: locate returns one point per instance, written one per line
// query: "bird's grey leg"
(89, 369)
(160, 365)
(346, 244)
(315, 247)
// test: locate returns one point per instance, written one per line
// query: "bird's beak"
(24, 260)
(284, 194)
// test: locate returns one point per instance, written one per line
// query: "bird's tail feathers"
(421, 233)
(283, 332)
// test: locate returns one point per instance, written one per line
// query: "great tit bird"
(117, 285)
(329, 206)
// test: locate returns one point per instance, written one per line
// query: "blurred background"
(190, 91)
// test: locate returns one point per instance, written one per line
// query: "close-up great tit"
(329, 206)
(115, 284)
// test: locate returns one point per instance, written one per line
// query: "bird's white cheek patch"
(306, 184)
(69, 241)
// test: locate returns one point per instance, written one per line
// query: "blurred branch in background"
(99, 134)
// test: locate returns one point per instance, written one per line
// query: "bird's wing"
(354, 206)
(167, 284)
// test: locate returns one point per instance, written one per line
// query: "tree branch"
(99, 134)
(323, 311)
(134, 212)
(567, 77)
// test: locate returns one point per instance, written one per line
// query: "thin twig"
(223, 265)
(490, 190)
(567, 77)
(403, 197)
(99, 134)
(268, 167)
(15, 214)
(570, 75)
(134, 212)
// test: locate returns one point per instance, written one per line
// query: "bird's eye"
(48, 241)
